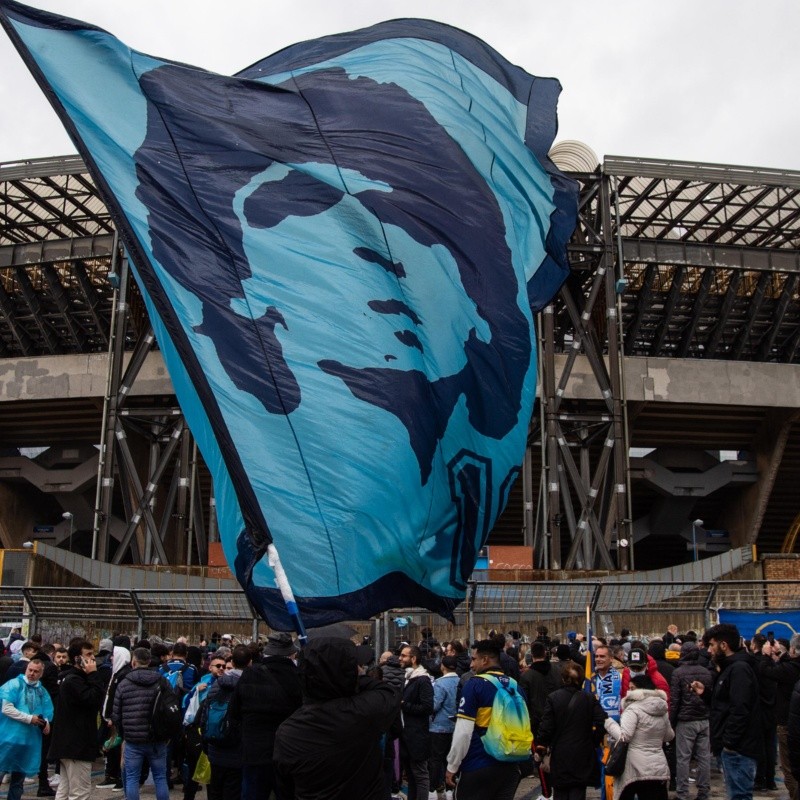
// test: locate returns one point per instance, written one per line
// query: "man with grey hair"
(785, 671)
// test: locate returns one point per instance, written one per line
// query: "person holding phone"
(74, 740)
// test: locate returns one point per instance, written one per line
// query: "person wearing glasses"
(194, 738)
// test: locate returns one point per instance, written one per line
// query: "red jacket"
(652, 670)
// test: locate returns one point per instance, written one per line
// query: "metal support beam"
(32, 301)
(102, 523)
(768, 341)
(755, 306)
(63, 304)
(724, 313)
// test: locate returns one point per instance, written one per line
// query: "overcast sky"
(698, 80)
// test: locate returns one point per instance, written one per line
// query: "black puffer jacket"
(785, 673)
(393, 673)
(329, 749)
(572, 726)
(133, 704)
(685, 705)
(735, 713)
(265, 696)
(74, 734)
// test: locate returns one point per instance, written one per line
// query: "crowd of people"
(338, 720)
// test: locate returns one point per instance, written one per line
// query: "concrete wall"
(646, 380)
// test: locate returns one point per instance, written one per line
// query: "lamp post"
(697, 523)
(71, 517)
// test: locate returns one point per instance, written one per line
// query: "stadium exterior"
(668, 419)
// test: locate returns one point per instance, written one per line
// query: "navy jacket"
(133, 704)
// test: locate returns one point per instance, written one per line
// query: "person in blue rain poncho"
(26, 713)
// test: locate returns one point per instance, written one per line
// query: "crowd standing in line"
(441, 720)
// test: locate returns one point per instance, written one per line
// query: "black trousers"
(226, 783)
(569, 793)
(437, 763)
(497, 782)
(645, 790)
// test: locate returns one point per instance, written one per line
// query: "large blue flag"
(341, 249)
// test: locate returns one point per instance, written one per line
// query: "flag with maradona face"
(341, 249)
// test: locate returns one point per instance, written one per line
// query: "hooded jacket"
(329, 749)
(685, 705)
(120, 667)
(735, 718)
(74, 734)
(644, 724)
(133, 704)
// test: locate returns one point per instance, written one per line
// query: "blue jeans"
(15, 785)
(156, 754)
(739, 772)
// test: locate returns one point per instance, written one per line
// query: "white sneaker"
(433, 795)
(6, 777)
(54, 780)
(448, 795)
(29, 781)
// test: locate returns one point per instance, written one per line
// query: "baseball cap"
(637, 659)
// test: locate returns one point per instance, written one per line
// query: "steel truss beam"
(160, 494)
(587, 495)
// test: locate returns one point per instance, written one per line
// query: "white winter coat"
(644, 724)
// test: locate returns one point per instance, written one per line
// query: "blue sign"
(784, 624)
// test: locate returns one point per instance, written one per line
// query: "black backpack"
(166, 714)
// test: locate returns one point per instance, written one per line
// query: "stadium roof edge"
(621, 166)
(624, 166)
(42, 167)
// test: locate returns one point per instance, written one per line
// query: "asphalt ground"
(529, 789)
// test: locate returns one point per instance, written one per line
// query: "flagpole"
(589, 667)
(282, 582)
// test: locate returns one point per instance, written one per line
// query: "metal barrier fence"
(645, 608)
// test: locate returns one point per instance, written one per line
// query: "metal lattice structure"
(670, 260)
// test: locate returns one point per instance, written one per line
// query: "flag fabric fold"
(341, 249)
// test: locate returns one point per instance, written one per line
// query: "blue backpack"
(216, 725)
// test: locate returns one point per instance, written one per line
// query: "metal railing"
(643, 607)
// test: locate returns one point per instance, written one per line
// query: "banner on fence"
(782, 623)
